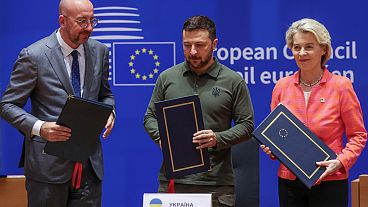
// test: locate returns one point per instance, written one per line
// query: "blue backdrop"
(251, 41)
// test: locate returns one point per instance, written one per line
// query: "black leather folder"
(178, 119)
(86, 119)
(297, 147)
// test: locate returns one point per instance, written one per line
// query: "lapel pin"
(322, 100)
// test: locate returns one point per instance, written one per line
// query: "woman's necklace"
(312, 84)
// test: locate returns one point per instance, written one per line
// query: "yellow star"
(131, 64)
(157, 63)
(155, 57)
(137, 52)
(137, 76)
(150, 52)
(150, 75)
(144, 50)
(132, 71)
(155, 70)
(144, 77)
(132, 57)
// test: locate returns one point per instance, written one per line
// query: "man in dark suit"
(44, 73)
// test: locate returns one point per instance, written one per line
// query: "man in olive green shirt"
(224, 99)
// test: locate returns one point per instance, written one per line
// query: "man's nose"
(193, 50)
(89, 28)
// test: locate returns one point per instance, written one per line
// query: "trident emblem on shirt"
(216, 91)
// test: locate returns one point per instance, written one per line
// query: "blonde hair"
(319, 30)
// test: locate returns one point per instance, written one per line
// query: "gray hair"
(319, 30)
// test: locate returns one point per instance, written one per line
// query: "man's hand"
(53, 132)
(205, 138)
(109, 125)
(331, 167)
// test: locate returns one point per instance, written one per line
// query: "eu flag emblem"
(140, 63)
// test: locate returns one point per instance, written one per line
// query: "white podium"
(177, 200)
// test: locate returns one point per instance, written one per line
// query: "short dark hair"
(201, 22)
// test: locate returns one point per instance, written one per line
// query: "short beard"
(77, 40)
(202, 63)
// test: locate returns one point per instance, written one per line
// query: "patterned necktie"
(75, 76)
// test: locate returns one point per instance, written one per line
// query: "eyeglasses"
(84, 22)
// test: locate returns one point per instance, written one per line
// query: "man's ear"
(61, 20)
(214, 43)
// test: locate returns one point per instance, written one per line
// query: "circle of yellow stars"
(133, 71)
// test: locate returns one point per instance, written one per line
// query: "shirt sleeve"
(150, 118)
(351, 114)
(275, 96)
(243, 116)
(275, 100)
(22, 82)
(37, 128)
(105, 94)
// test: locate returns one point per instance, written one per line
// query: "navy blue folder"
(178, 119)
(293, 144)
(86, 118)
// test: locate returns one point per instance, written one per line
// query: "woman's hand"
(331, 167)
(268, 151)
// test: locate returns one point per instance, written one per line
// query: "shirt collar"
(65, 48)
(212, 71)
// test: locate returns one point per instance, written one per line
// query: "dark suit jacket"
(40, 75)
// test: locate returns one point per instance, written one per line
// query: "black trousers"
(293, 193)
(222, 196)
(42, 194)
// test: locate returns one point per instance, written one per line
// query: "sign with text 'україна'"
(177, 200)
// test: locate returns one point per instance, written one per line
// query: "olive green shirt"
(224, 99)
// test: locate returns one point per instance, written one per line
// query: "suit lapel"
(89, 71)
(56, 59)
